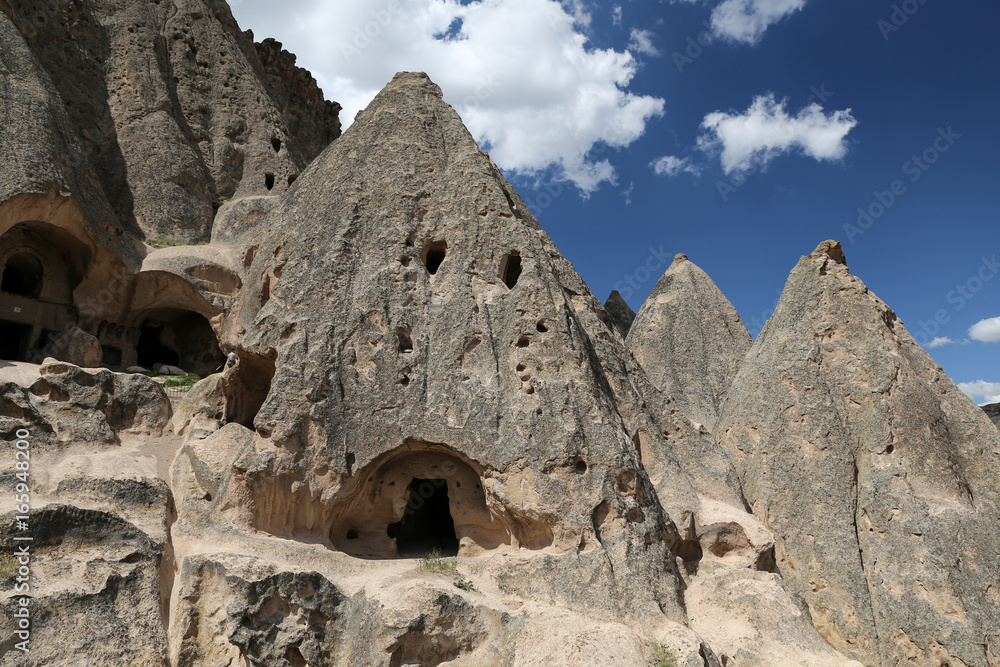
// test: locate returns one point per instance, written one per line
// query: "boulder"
(79, 348)
(878, 477)
(994, 413)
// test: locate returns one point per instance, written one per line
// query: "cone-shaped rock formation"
(621, 313)
(689, 340)
(877, 475)
(427, 340)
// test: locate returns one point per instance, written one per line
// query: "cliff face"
(174, 108)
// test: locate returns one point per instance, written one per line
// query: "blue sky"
(773, 122)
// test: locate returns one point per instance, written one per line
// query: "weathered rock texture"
(994, 412)
(877, 475)
(621, 313)
(438, 336)
(175, 109)
(689, 340)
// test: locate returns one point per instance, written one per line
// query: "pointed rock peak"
(690, 340)
(833, 406)
(621, 313)
(831, 249)
(418, 81)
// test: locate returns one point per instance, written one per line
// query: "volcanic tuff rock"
(689, 340)
(877, 475)
(171, 109)
(994, 412)
(621, 313)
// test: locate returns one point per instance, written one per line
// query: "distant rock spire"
(621, 313)
(689, 340)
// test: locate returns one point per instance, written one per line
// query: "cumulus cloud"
(671, 165)
(985, 392)
(765, 130)
(746, 20)
(987, 331)
(940, 341)
(521, 73)
(641, 41)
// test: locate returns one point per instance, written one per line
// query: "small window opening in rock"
(433, 255)
(521, 368)
(207, 497)
(427, 523)
(269, 181)
(581, 466)
(405, 341)
(276, 144)
(890, 449)
(352, 534)
(510, 269)
(540, 327)
(22, 275)
(15, 339)
(291, 179)
(523, 341)
(349, 459)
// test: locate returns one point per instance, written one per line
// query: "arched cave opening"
(151, 350)
(22, 275)
(181, 338)
(15, 340)
(246, 388)
(427, 524)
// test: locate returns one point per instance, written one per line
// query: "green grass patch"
(435, 562)
(182, 382)
(661, 656)
(8, 566)
(465, 584)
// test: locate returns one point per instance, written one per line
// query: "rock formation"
(436, 447)
(994, 412)
(877, 475)
(620, 313)
(689, 340)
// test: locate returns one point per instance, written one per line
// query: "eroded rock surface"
(877, 475)
(993, 411)
(621, 313)
(689, 340)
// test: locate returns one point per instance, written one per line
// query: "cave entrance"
(14, 341)
(427, 524)
(22, 275)
(151, 350)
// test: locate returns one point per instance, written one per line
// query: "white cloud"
(746, 20)
(670, 165)
(521, 73)
(616, 14)
(988, 392)
(940, 341)
(641, 41)
(764, 131)
(987, 331)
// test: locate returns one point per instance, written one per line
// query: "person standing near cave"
(231, 360)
